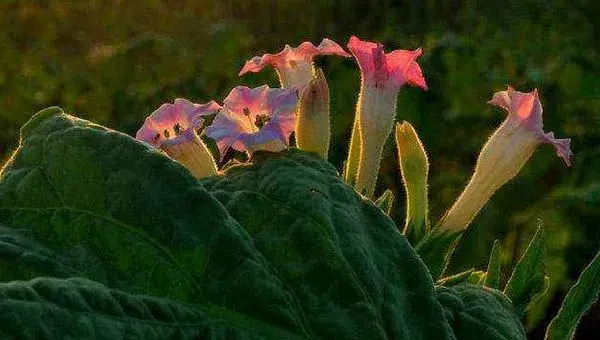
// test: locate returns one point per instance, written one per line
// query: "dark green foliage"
(280, 248)
(480, 313)
(577, 302)
(77, 308)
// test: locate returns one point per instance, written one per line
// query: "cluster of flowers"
(263, 118)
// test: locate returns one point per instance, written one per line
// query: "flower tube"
(504, 154)
(261, 118)
(172, 128)
(382, 76)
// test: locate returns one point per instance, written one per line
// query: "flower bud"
(415, 168)
(313, 127)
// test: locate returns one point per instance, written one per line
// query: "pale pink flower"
(387, 71)
(172, 128)
(525, 117)
(504, 154)
(382, 76)
(261, 118)
(175, 123)
(294, 64)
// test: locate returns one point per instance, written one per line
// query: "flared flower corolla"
(294, 65)
(175, 123)
(504, 154)
(382, 76)
(261, 118)
(172, 128)
(525, 120)
(386, 71)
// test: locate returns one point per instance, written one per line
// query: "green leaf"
(435, 250)
(577, 302)
(492, 278)
(281, 241)
(528, 279)
(385, 201)
(77, 308)
(414, 167)
(479, 312)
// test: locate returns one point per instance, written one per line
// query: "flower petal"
(303, 53)
(525, 109)
(386, 71)
(402, 65)
(279, 100)
(244, 100)
(235, 126)
(561, 145)
(170, 121)
(225, 130)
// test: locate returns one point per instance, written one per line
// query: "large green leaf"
(479, 312)
(77, 308)
(282, 241)
(577, 302)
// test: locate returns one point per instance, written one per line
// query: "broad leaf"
(281, 242)
(77, 308)
(479, 312)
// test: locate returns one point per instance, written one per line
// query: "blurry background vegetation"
(114, 62)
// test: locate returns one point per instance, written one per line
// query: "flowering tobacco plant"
(103, 236)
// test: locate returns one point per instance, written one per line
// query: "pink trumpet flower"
(383, 74)
(261, 118)
(172, 128)
(504, 154)
(294, 65)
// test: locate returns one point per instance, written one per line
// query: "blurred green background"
(114, 62)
